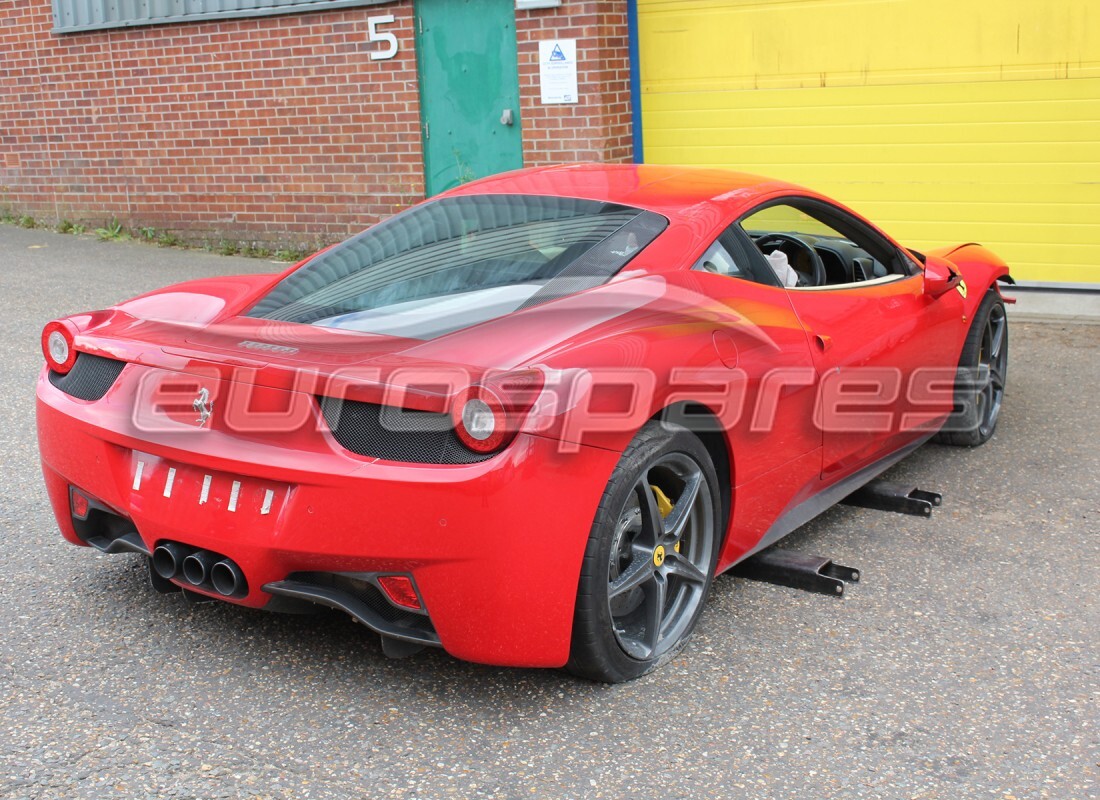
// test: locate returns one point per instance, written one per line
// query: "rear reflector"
(80, 504)
(400, 590)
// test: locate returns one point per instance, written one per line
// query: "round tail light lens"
(488, 414)
(57, 346)
(480, 420)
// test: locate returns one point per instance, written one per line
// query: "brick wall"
(273, 129)
(598, 128)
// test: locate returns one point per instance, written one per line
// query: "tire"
(980, 380)
(647, 566)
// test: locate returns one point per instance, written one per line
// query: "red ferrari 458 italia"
(527, 421)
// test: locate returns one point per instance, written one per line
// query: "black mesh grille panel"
(396, 434)
(90, 377)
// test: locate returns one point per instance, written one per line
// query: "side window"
(727, 257)
(718, 259)
(809, 244)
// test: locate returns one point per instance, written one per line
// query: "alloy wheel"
(661, 556)
(992, 365)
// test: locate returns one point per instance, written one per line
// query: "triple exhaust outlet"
(201, 568)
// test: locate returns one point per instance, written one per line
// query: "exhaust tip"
(196, 567)
(168, 560)
(227, 578)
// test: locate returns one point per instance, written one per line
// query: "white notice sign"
(558, 70)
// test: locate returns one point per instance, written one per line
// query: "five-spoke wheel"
(650, 557)
(983, 370)
(659, 563)
(992, 368)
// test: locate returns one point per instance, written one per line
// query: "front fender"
(980, 268)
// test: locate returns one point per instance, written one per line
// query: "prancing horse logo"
(203, 406)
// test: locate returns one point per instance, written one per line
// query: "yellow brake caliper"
(664, 506)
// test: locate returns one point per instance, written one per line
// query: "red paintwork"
(495, 547)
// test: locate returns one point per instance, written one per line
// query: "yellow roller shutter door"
(973, 120)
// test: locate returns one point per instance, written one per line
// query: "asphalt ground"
(964, 665)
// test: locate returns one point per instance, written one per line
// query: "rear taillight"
(57, 345)
(480, 420)
(488, 415)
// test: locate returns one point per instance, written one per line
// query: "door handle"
(506, 117)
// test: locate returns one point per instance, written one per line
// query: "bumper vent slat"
(90, 378)
(396, 434)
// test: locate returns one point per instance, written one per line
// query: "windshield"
(454, 262)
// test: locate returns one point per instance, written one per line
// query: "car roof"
(673, 191)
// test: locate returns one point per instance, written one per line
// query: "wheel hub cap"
(659, 556)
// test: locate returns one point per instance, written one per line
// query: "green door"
(469, 90)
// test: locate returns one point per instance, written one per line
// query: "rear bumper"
(495, 548)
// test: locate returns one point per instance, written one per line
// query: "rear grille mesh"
(90, 377)
(396, 434)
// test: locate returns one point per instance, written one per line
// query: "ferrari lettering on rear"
(268, 347)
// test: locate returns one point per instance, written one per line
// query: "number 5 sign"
(376, 35)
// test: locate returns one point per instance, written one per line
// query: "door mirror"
(940, 276)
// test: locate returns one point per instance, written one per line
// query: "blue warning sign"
(556, 54)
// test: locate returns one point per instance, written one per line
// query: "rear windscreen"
(454, 262)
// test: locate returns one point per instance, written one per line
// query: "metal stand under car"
(821, 575)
